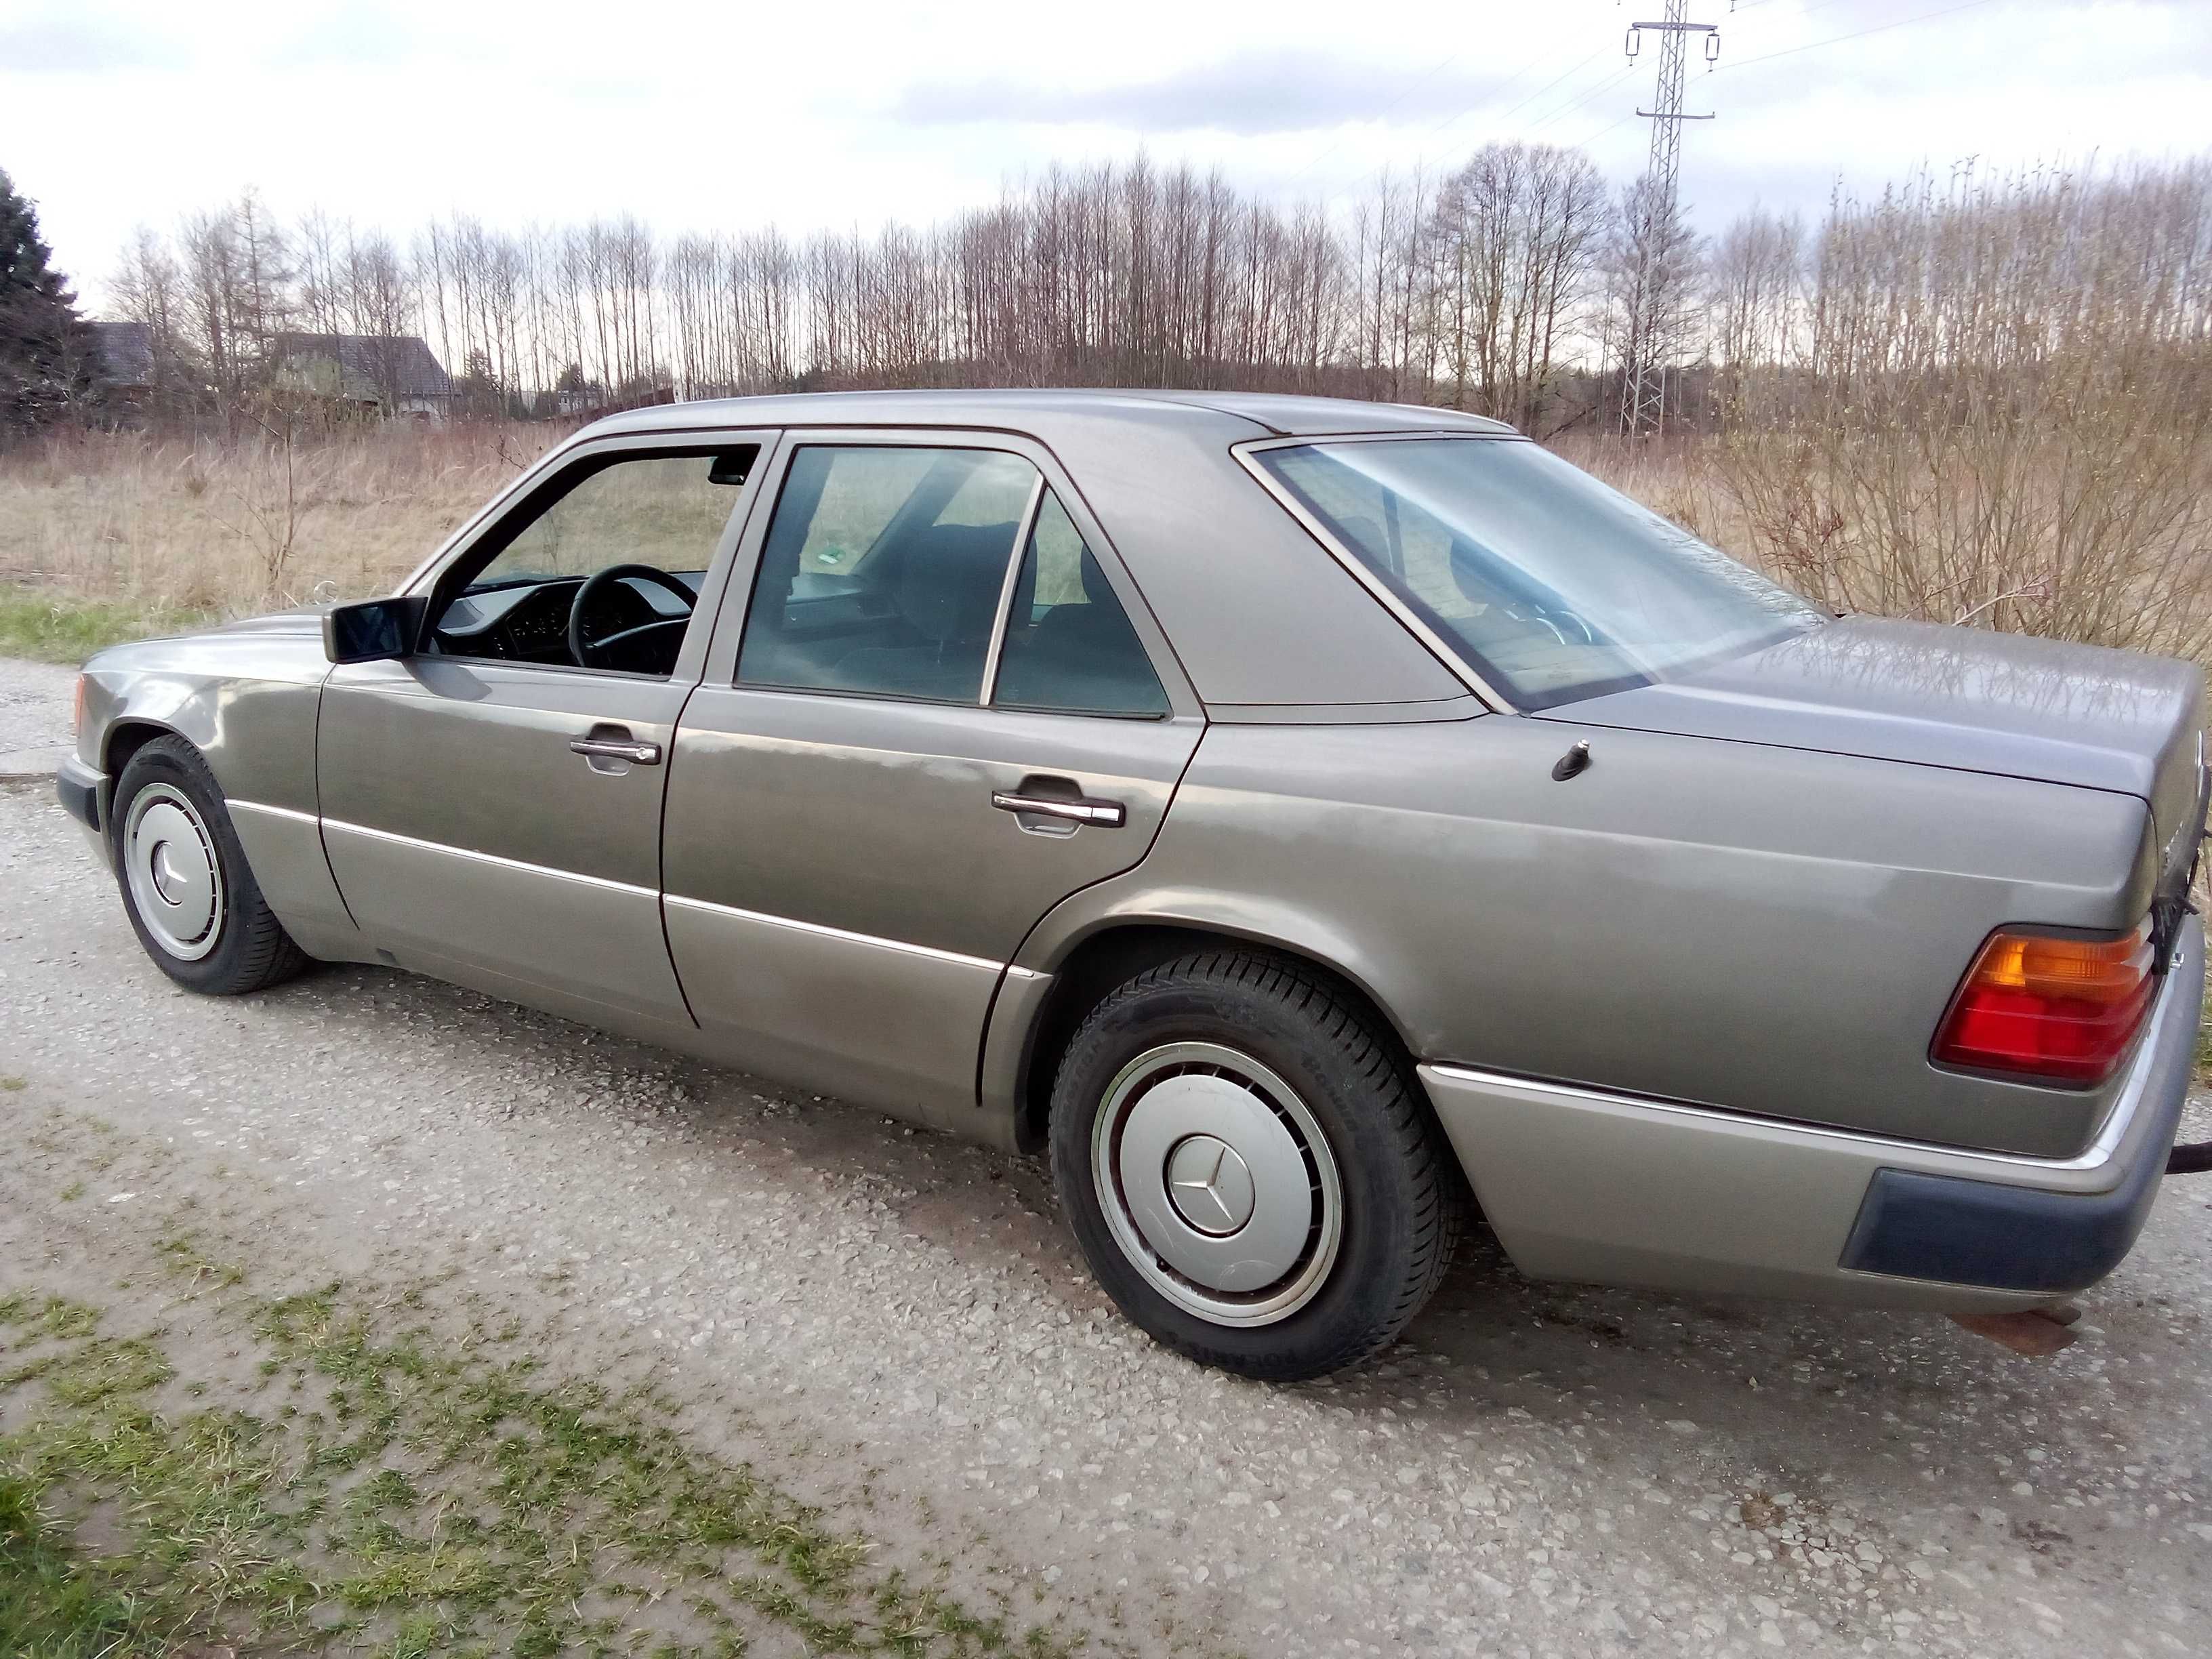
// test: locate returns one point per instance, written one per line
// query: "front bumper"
(82, 793)
(1584, 1184)
(79, 788)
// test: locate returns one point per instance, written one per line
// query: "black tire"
(250, 949)
(1400, 1192)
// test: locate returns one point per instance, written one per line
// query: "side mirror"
(375, 630)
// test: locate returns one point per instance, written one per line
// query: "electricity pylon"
(1644, 355)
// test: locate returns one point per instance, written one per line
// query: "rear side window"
(883, 570)
(1069, 647)
(1554, 587)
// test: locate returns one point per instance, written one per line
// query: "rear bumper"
(1583, 1184)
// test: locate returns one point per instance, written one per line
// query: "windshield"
(1552, 585)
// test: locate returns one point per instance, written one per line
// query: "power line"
(1510, 82)
(1553, 82)
(1473, 109)
(1855, 35)
(1590, 97)
(1786, 52)
(1585, 143)
(1385, 113)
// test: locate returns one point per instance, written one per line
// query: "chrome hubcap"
(176, 883)
(1217, 1183)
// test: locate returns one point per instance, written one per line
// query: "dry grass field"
(107, 536)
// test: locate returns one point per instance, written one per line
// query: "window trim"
(1452, 656)
(538, 487)
(1247, 455)
(742, 588)
(1005, 621)
(788, 458)
(1024, 527)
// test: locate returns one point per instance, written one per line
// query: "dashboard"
(528, 622)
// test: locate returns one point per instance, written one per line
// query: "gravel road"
(35, 716)
(1537, 1469)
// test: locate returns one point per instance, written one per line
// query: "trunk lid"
(1965, 698)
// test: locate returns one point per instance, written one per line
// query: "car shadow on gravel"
(1761, 1379)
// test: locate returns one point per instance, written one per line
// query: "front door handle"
(1105, 814)
(639, 753)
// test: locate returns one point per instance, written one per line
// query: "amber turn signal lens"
(2062, 1010)
(77, 710)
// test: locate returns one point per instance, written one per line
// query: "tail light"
(2059, 1010)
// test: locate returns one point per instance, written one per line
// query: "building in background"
(122, 371)
(390, 375)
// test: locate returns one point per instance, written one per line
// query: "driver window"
(663, 512)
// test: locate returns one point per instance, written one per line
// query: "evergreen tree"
(44, 345)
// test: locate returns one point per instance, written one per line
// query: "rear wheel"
(187, 889)
(1248, 1167)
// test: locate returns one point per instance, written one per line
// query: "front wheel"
(1248, 1169)
(187, 889)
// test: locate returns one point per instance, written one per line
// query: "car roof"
(1042, 411)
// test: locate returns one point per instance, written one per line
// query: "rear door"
(946, 709)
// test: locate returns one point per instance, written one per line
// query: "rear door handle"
(639, 754)
(1105, 814)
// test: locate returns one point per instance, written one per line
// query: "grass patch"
(331, 1487)
(53, 1604)
(65, 628)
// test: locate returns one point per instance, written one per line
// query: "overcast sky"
(724, 114)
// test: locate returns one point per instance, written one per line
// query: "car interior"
(1510, 620)
(881, 574)
(633, 623)
(911, 613)
(603, 572)
(1072, 650)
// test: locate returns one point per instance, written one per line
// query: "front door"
(491, 805)
(946, 713)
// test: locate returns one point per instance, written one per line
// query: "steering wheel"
(594, 589)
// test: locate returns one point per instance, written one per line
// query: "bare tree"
(1753, 293)
(1996, 407)
(1513, 247)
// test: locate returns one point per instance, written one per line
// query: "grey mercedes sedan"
(1317, 823)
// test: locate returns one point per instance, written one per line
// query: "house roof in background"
(368, 363)
(125, 352)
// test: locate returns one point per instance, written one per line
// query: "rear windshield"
(1552, 587)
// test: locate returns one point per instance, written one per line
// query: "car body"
(1658, 938)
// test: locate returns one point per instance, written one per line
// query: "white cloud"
(700, 113)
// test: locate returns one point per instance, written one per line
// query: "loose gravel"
(35, 716)
(1536, 1469)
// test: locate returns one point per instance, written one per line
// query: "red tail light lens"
(2062, 1010)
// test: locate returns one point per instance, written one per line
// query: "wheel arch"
(1091, 963)
(126, 737)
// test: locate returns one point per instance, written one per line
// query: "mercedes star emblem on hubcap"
(1210, 1185)
(167, 878)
